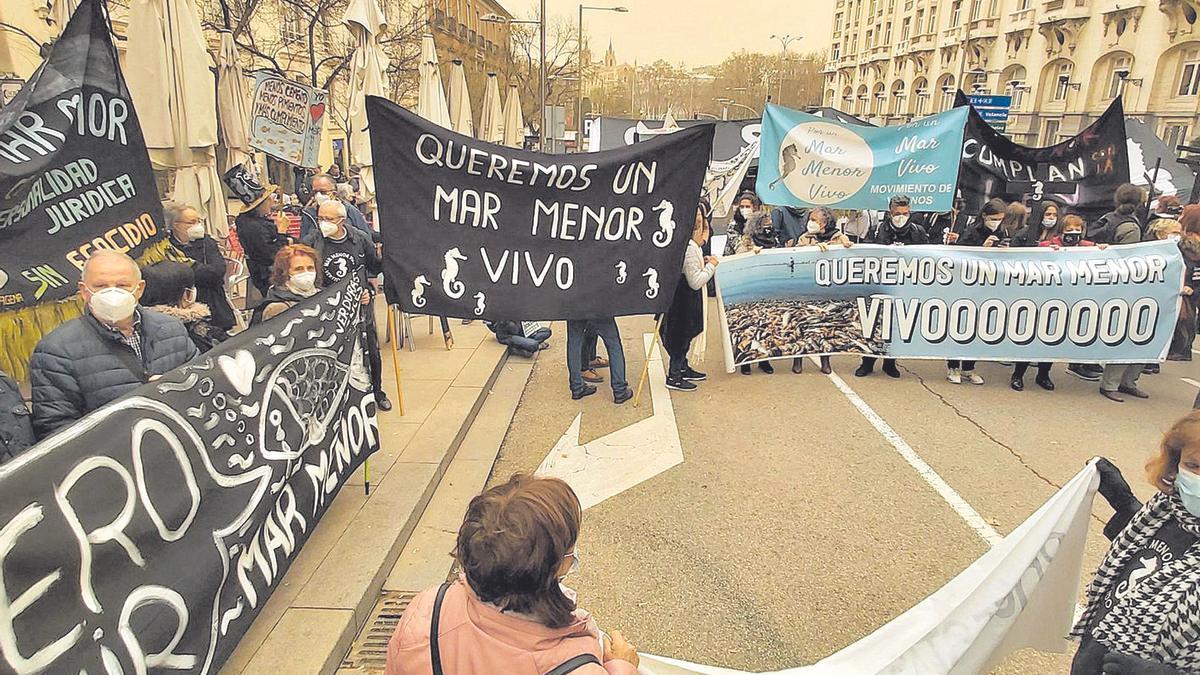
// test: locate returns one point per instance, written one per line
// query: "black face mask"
(1072, 238)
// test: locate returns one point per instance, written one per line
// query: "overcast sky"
(697, 32)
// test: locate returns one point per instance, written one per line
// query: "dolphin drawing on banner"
(418, 291)
(450, 283)
(666, 224)
(651, 275)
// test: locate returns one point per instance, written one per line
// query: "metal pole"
(579, 108)
(542, 78)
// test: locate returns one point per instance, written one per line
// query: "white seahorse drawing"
(418, 291)
(450, 283)
(621, 267)
(666, 224)
(651, 275)
(480, 304)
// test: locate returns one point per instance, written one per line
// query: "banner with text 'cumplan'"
(1079, 304)
(808, 160)
(1020, 594)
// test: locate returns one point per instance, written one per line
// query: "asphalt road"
(794, 527)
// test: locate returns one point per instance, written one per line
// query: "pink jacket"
(478, 639)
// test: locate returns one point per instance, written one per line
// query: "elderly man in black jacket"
(347, 250)
(114, 348)
(187, 234)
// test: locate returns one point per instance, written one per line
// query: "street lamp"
(784, 41)
(579, 39)
(541, 24)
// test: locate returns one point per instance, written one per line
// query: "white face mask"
(111, 305)
(328, 229)
(1049, 222)
(321, 198)
(195, 232)
(746, 212)
(899, 221)
(813, 227)
(992, 225)
(304, 283)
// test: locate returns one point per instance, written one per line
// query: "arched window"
(1056, 82)
(1013, 80)
(847, 99)
(920, 97)
(1177, 77)
(898, 97)
(860, 107)
(945, 92)
(877, 98)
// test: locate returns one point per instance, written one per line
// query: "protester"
(295, 275)
(114, 348)
(685, 318)
(943, 227)
(324, 189)
(16, 427)
(988, 231)
(508, 611)
(748, 210)
(1121, 225)
(1190, 219)
(171, 290)
(790, 222)
(1044, 224)
(1185, 327)
(208, 265)
(759, 233)
(1166, 207)
(607, 330)
(591, 360)
(510, 334)
(856, 224)
(345, 251)
(1138, 617)
(821, 230)
(1015, 220)
(897, 229)
(261, 230)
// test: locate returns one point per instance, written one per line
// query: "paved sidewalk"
(309, 622)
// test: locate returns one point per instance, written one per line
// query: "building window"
(1050, 132)
(932, 20)
(921, 95)
(291, 30)
(904, 29)
(837, 52)
(1118, 70)
(1062, 82)
(976, 9)
(956, 13)
(1174, 134)
(887, 35)
(1189, 77)
(918, 23)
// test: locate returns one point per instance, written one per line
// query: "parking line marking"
(926, 472)
(1191, 382)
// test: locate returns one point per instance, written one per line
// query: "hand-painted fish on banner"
(74, 174)
(148, 535)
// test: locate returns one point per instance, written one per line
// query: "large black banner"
(147, 536)
(74, 174)
(609, 133)
(476, 230)
(1081, 172)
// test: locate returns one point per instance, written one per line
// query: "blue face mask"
(1187, 486)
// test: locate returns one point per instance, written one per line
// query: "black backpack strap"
(434, 653)
(571, 665)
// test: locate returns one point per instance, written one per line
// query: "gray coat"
(73, 372)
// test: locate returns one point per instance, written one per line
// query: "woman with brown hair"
(508, 611)
(1143, 606)
(295, 275)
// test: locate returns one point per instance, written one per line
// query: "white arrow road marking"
(611, 464)
(1191, 382)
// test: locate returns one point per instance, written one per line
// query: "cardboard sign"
(286, 119)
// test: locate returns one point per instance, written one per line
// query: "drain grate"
(368, 654)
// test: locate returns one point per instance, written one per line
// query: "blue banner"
(1080, 304)
(819, 161)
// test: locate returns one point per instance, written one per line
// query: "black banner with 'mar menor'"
(74, 174)
(147, 536)
(477, 230)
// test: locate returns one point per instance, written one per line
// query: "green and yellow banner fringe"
(22, 329)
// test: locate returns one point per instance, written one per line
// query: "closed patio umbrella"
(491, 120)
(233, 105)
(365, 20)
(460, 101)
(431, 99)
(514, 120)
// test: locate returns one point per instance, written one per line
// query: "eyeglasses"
(574, 555)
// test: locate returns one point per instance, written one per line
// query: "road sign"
(993, 108)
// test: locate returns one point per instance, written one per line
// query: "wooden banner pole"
(395, 322)
(637, 395)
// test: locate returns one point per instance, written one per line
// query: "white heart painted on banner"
(239, 369)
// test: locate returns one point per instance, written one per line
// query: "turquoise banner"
(1078, 304)
(817, 161)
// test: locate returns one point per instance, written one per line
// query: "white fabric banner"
(1020, 594)
(723, 180)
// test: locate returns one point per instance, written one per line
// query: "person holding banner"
(989, 230)
(508, 611)
(261, 229)
(821, 230)
(208, 265)
(898, 229)
(1140, 616)
(685, 319)
(1044, 224)
(295, 275)
(749, 211)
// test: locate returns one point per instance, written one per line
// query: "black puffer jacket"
(209, 267)
(16, 432)
(74, 370)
